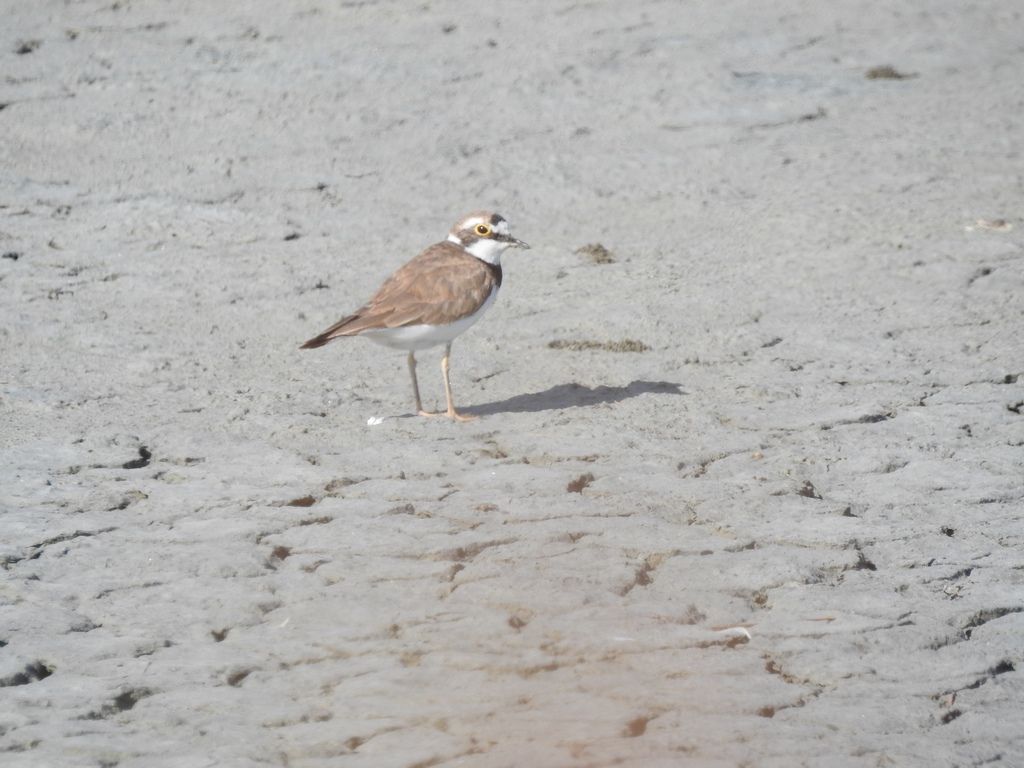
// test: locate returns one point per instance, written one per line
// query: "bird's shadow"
(572, 395)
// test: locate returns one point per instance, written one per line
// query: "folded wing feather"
(442, 284)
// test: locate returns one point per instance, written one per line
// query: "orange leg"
(416, 385)
(452, 413)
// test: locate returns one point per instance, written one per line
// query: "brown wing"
(439, 286)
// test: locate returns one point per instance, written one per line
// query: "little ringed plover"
(435, 297)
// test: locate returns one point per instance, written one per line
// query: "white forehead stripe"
(502, 227)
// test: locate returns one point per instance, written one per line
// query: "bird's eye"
(483, 230)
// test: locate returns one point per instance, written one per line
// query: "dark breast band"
(495, 270)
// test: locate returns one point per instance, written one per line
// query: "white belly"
(411, 337)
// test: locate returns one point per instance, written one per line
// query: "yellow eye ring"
(483, 230)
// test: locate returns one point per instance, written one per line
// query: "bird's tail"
(336, 330)
(316, 341)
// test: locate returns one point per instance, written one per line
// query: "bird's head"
(486, 235)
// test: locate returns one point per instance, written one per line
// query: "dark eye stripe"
(496, 219)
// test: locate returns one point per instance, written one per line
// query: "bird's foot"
(452, 414)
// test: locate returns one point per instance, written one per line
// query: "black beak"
(515, 243)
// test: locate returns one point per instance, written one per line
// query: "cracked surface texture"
(746, 486)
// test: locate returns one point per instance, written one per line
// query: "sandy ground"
(211, 558)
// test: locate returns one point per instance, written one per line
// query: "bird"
(434, 298)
